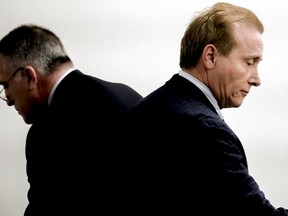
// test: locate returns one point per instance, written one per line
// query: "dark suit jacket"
(187, 159)
(73, 150)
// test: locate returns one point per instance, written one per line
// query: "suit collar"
(57, 83)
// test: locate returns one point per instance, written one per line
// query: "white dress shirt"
(206, 91)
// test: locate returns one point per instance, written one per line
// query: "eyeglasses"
(5, 84)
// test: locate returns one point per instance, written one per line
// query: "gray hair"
(35, 46)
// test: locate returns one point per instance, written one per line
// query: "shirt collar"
(57, 83)
(206, 91)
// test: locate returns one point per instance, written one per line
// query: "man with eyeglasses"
(72, 147)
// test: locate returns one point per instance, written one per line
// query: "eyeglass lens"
(2, 94)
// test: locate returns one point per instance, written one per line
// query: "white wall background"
(137, 42)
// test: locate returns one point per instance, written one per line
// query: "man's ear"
(209, 55)
(31, 76)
